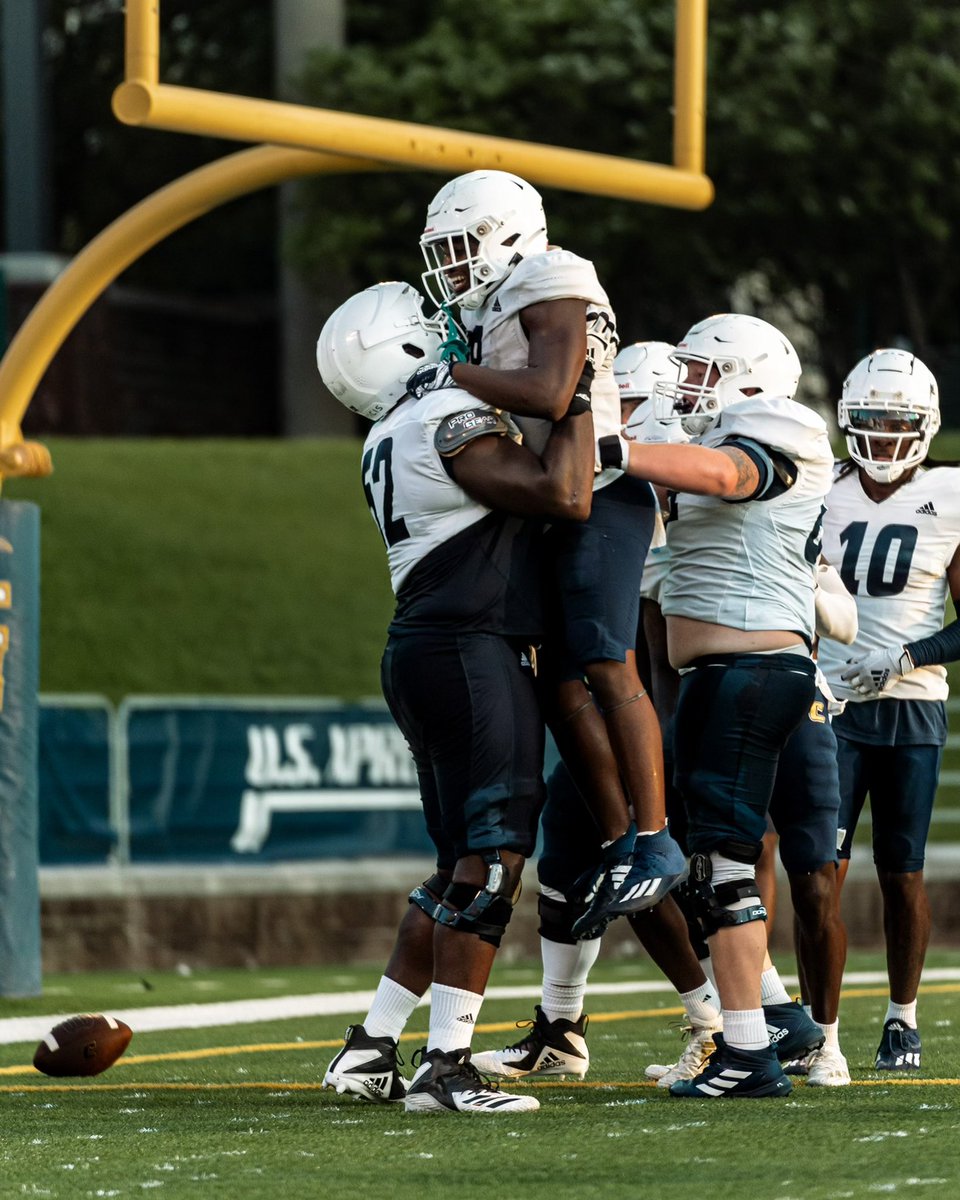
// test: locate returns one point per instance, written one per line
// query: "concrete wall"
(301, 913)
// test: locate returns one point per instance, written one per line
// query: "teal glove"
(454, 347)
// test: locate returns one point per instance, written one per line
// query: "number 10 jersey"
(893, 558)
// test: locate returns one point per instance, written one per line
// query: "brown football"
(83, 1045)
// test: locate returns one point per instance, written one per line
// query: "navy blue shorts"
(595, 571)
(571, 839)
(734, 716)
(902, 784)
(806, 794)
(469, 712)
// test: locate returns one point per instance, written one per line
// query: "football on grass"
(82, 1045)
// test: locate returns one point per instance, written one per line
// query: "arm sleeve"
(942, 647)
(836, 609)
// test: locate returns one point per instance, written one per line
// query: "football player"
(893, 531)
(532, 315)
(743, 537)
(458, 502)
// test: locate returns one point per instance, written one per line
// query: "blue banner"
(256, 781)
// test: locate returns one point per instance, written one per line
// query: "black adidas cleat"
(734, 1074)
(899, 1048)
(793, 1034)
(367, 1067)
(449, 1082)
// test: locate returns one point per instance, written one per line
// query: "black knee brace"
(484, 911)
(713, 903)
(427, 895)
(557, 918)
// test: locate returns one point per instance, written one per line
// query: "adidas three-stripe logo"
(927, 510)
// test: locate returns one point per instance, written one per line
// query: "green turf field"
(236, 1110)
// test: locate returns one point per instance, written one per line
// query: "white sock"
(702, 1005)
(745, 1028)
(706, 965)
(391, 1009)
(772, 990)
(831, 1034)
(453, 1014)
(565, 971)
(808, 1009)
(907, 1013)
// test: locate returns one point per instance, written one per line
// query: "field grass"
(208, 568)
(237, 1111)
(213, 568)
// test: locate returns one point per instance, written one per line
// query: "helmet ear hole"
(413, 351)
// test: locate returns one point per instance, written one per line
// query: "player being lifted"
(533, 314)
(893, 531)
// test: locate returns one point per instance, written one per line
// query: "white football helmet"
(479, 226)
(638, 367)
(745, 354)
(889, 413)
(373, 343)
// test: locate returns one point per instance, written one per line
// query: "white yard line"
(328, 1004)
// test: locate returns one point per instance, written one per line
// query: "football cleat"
(367, 1067)
(734, 1074)
(827, 1067)
(793, 1034)
(449, 1082)
(899, 1048)
(700, 1045)
(550, 1048)
(797, 1066)
(636, 873)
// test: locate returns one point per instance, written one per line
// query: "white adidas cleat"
(827, 1067)
(700, 1045)
(551, 1048)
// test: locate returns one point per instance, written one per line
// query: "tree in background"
(102, 168)
(832, 135)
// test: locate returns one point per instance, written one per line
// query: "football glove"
(431, 377)
(877, 670)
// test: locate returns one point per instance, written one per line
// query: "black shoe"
(367, 1067)
(449, 1082)
(793, 1034)
(550, 1048)
(899, 1048)
(636, 873)
(734, 1074)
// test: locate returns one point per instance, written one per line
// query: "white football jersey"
(415, 502)
(656, 563)
(749, 564)
(893, 558)
(497, 338)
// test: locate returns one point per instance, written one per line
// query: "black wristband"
(611, 451)
(581, 393)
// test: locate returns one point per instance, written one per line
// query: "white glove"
(431, 377)
(874, 672)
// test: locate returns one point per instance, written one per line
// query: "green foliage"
(103, 168)
(832, 134)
